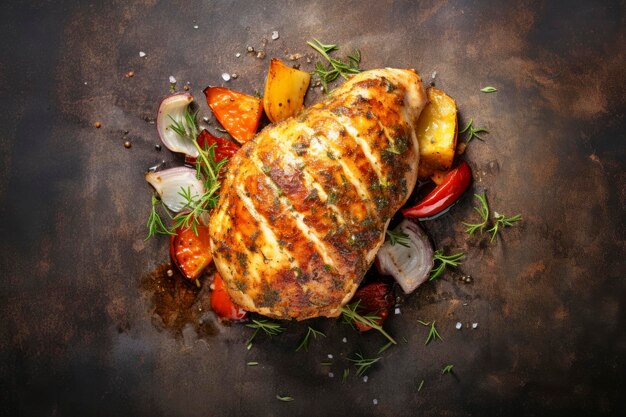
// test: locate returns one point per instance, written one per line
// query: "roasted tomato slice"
(221, 303)
(239, 113)
(374, 299)
(191, 253)
(223, 147)
(452, 186)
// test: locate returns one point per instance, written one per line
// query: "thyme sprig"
(502, 221)
(350, 315)
(444, 262)
(483, 211)
(362, 364)
(398, 237)
(473, 132)
(155, 224)
(305, 342)
(336, 67)
(269, 327)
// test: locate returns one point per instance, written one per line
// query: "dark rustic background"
(87, 325)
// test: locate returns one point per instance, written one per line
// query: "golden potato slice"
(285, 88)
(436, 133)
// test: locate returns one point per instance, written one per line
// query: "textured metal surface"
(85, 329)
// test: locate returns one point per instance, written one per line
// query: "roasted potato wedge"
(285, 88)
(437, 130)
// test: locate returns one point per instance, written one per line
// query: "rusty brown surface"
(85, 332)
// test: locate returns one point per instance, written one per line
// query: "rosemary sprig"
(336, 67)
(155, 223)
(433, 334)
(285, 398)
(252, 363)
(447, 369)
(269, 327)
(502, 221)
(384, 348)
(362, 364)
(444, 262)
(420, 385)
(398, 237)
(187, 127)
(346, 372)
(473, 132)
(305, 342)
(483, 211)
(351, 315)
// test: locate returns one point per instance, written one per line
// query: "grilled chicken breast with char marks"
(304, 206)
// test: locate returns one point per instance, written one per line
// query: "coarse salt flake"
(365, 378)
(172, 79)
(474, 325)
(331, 375)
(330, 356)
(195, 26)
(275, 35)
(375, 401)
(226, 76)
(237, 54)
(142, 54)
(458, 325)
(434, 74)
(344, 340)
(397, 311)
(206, 119)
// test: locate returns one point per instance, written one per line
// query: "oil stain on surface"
(177, 303)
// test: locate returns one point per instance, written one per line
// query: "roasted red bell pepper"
(223, 147)
(446, 193)
(239, 113)
(191, 253)
(221, 303)
(374, 299)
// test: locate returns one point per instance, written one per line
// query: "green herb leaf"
(483, 211)
(155, 222)
(488, 89)
(336, 67)
(472, 132)
(346, 372)
(502, 221)
(362, 364)
(284, 398)
(269, 327)
(350, 315)
(252, 363)
(447, 369)
(433, 334)
(398, 237)
(305, 342)
(444, 261)
(419, 387)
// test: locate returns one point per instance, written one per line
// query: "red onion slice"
(170, 183)
(174, 107)
(411, 265)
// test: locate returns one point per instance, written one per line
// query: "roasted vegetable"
(375, 299)
(285, 88)
(436, 133)
(191, 252)
(444, 195)
(239, 113)
(223, 148)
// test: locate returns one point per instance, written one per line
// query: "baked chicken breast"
(304, 206)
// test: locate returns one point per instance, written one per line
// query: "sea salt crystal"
(365, 378)
(397, 311)
(275, 35)
(474, 325)
(206, 119)
(331, 375)
(195, 26)
(226, 76)
(330, 356)
(237, 55)
(142, 54)
(344, 340)
(172, 79)
(375, 401)
(433, 75)
(458, 325)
